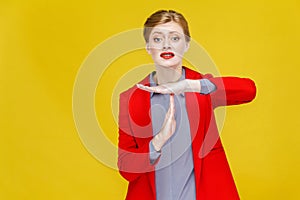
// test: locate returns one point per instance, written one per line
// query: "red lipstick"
(167, 55)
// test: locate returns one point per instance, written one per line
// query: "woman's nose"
(166, 45)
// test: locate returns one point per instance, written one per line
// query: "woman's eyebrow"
(171, 32)
(157, 32)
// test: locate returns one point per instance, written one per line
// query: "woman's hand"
(179, 87)
(168, 127)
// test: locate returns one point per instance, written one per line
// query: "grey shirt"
(174, 171)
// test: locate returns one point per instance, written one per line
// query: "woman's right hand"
(168, 127)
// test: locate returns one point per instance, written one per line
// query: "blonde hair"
(165, 16)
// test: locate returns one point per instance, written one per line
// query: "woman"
(169, 147)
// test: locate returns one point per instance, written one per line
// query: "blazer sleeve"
(231, 90)
(133, 157)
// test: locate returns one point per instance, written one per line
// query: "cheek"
(153, 51)
(155, 46)
(180, 48)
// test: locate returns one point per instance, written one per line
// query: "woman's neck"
(167, 75)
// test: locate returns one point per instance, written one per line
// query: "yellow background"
(43, 44)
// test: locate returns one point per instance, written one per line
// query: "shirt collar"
(153, 83)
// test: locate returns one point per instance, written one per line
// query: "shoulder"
(136, 102)
(191, 74)
(134, 95)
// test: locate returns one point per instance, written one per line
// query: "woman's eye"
(157, 39)
(175, 38)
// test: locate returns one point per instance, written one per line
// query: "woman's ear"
(148, 48)
(187, 46)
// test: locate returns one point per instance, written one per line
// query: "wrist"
(193, 85)
(158, 142)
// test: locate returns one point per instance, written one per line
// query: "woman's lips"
(167, 55)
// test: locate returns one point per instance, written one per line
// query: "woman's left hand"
(173, 88)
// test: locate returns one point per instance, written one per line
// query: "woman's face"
(167, 45)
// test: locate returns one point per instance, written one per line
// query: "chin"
(172, 63)
(174, 67)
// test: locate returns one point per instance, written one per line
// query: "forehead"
(167, 28)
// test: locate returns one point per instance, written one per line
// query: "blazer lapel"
(139, 110)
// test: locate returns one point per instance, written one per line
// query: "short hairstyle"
(165, 16)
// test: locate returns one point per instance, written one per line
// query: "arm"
(231, 90)
(224, 91)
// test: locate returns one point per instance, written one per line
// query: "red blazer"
(212, 173)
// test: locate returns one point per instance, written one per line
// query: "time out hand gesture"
(168, 127)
